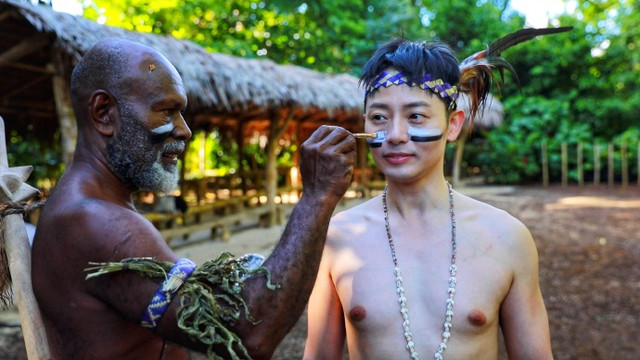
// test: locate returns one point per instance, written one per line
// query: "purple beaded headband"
(394, 77)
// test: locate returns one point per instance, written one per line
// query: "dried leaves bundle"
(210, 299)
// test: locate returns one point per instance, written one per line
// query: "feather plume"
(476, 71)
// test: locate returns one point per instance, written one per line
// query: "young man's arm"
(523, 316)
(325, 319)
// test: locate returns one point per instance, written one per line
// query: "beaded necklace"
(446, 334)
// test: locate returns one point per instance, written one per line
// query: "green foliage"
(44, 158)
(580, 87)
(577, 86)
(511, 152)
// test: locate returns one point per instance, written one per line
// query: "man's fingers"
(327, 135)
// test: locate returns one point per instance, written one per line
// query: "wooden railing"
(615, 161)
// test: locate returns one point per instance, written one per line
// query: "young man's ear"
(456, 122)
(101, 110)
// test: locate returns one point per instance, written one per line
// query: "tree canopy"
(573, 87)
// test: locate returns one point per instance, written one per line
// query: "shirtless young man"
(464, 269)
(128, 100)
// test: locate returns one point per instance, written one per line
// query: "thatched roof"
(490, 116)
(219, 87)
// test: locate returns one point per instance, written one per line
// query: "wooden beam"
(36, 69)
(24, 48)
(31, 113)
(24, 87)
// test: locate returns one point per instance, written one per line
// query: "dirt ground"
(589, 245)
(588, 241)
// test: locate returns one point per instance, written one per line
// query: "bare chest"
(370, 295)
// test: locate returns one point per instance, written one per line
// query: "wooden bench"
(218, 217)
(220, 226)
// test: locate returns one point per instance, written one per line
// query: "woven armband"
(162, 298)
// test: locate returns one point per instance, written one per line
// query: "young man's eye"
(377, 118)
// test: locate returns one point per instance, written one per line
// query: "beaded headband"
(394, 77)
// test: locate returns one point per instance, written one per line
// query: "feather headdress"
(476, 71)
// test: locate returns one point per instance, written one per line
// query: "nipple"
(477, 318)
(358, 313)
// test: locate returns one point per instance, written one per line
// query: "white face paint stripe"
(415, 134)
(166, 128)
(378, 140)
(414, 131)
(424, 135)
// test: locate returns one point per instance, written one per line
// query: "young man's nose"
(397, 132)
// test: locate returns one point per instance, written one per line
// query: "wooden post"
(610, 168)
(580, 166)
(545, 164)
(278, 125)
(624, 164)
(565, 165)
(240, 140)
(64, 109)
(202, 153)
(638, 165)
(16, 243)
(596, 164)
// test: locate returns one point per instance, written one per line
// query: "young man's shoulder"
(493, 218)
(363, 212)
(484, 207)
(350, 225)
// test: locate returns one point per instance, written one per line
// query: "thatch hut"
(39, 48)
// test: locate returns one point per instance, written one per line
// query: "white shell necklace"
(446, 334)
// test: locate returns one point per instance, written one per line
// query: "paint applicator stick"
(377, 136)
(364, 135)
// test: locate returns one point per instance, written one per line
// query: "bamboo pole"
(565, 164)
(16, 243)
(580, 166)
(596, 164)
(624, 164)
(545, 164)
(610, 167)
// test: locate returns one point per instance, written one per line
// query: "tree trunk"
(457, 161)
(277, 128)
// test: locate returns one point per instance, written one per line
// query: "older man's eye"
(170, 112)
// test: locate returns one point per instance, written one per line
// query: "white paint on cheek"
(381, 136)
(424, 135)
(164, 129)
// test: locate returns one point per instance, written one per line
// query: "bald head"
(116, 66)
